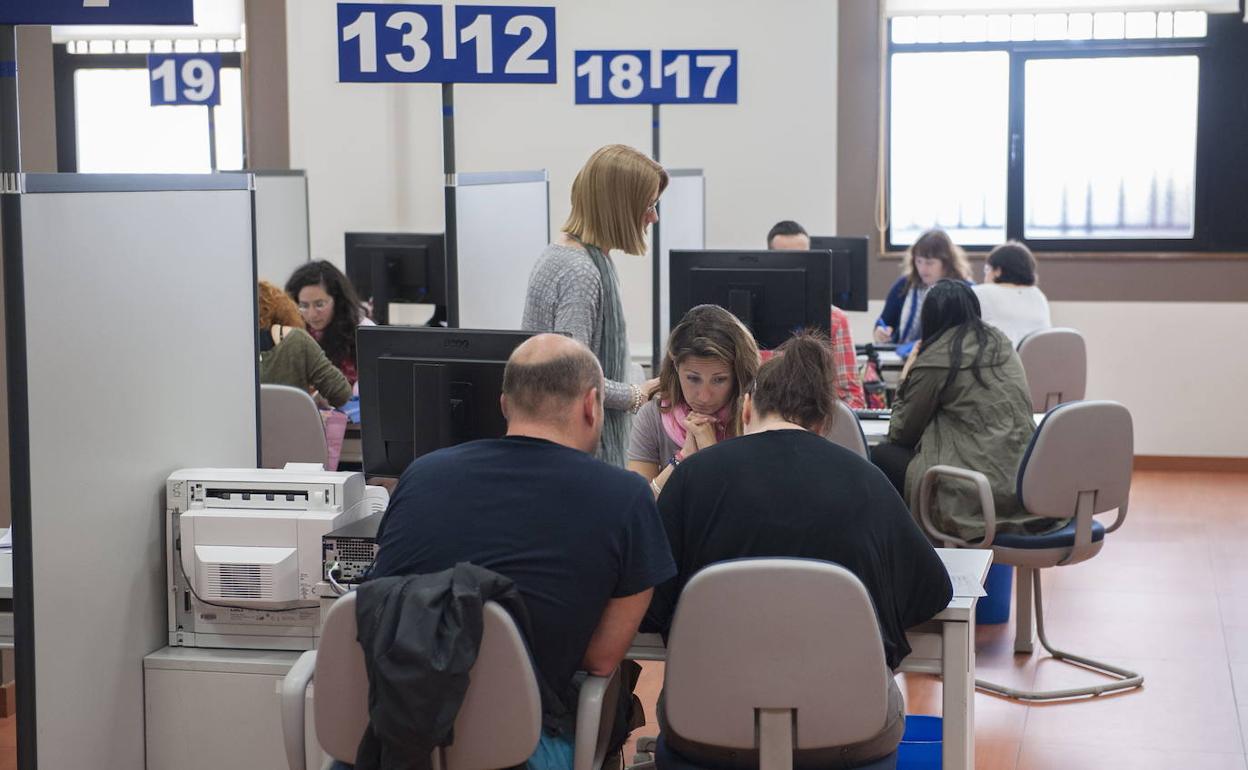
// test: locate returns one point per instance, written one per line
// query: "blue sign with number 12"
(388, 43)
(185, 78)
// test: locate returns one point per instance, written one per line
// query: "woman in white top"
(1009, 298)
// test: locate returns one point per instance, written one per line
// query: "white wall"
(373, 153)
(1158, 360)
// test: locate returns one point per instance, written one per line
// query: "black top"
(571, 531)
(793, 493)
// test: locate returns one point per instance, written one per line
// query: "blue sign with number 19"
(185, 78)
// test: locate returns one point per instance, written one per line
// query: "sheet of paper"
(967, 586)
(6, 540)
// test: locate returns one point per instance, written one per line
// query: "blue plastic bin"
(995, 607)
(920, 745)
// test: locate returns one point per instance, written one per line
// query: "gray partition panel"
(140, 359)
(682, 212)
(502, 224)
(281, 224)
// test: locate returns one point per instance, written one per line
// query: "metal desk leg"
(958, 690)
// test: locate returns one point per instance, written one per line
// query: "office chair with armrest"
(499, 722)
(1077, 465)
(1056, 363)
(291, 429)
(846, 430)
(774, 661)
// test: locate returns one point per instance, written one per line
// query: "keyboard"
(874, 414)
(866, 349)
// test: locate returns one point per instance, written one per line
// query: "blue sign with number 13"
(388, 43)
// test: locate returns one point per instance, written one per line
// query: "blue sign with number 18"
(652, 77)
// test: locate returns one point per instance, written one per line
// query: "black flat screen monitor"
(423, 389)
(775, 293)
(397, 267)
(849, 270)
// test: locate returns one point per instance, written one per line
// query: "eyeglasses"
(319, 304)
(653, 208)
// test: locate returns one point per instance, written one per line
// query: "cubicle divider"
(682, 216)
(130, 320)
(497, 226)
(282, 239)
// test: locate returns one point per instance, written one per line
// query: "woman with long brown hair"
(711, 361)
(932, 257)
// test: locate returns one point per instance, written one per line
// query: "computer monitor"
(773, 292)
(423, 388)
(849, 270)
(397, 267)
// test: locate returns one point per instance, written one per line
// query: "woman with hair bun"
(781, 490)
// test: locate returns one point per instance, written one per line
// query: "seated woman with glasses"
(288, 356)
(782, 490)
(711, 359)
(331, 309)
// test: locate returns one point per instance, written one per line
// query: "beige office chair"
(1078, 465)
(291, 429)
(846, 430)
(774, 660)
(1056, 363)
(498, 724)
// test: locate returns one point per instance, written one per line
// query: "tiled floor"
(1168, 595)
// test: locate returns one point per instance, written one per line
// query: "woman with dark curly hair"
(331, 309)
(288, 356)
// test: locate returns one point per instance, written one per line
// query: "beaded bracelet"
(638, 399)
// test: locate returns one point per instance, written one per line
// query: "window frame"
(1021, 52)
(66, 66)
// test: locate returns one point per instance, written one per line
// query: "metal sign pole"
(449, 239)
(658, 337)
(212, 138)
(19, 428)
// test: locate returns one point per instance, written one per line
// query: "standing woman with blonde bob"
(574, 289)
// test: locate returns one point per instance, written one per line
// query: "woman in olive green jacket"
(963, 401)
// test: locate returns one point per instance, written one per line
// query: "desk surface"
(876, 430)
(963, 561)
(6, 574)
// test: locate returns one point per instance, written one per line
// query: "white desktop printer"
(245, 552)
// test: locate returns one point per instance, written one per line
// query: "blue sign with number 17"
(706, 76)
